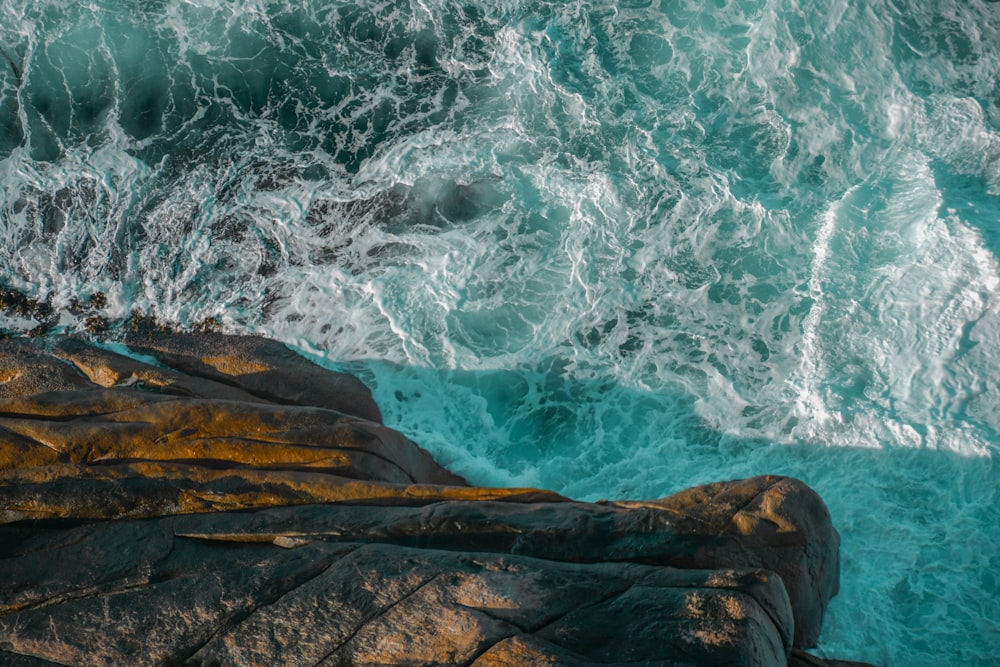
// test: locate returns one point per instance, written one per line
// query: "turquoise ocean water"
(609, 248)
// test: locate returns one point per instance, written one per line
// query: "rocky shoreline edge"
(209, 499)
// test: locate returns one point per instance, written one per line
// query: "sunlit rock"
(220, 500)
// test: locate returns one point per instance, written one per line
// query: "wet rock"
(224, 501)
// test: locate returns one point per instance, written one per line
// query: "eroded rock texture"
(225, 501)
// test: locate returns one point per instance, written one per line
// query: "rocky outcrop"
(208, 499)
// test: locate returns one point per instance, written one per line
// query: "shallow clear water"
(609, 248)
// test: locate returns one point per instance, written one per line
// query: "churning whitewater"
(609, 248)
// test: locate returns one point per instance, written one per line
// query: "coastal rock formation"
(208, 499)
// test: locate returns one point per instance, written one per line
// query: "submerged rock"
(221, 500)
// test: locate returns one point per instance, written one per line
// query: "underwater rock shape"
(224, 501)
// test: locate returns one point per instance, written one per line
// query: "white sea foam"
(810, 405)
(611, 249)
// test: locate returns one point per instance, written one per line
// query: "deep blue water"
(609, 248)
